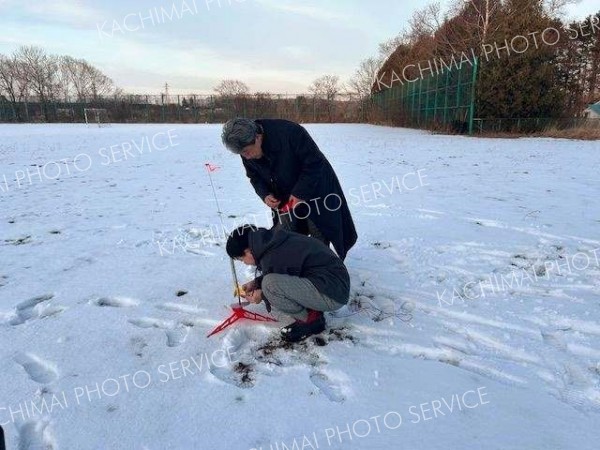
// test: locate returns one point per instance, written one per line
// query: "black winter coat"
(293, 165)
(288, 253)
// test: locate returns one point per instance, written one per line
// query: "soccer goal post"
(96, 116)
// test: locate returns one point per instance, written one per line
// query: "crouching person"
(300, 276)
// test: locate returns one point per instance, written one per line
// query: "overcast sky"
(272, 45)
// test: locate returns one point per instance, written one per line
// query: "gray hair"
(239, 133)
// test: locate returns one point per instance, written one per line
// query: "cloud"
(283, 48)
(195, 67)
(72, 12)
(297, 52)
(309, 11)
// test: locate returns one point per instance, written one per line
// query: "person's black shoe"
(300, 330)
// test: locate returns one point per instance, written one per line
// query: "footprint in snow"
(38, 369)
(116, 302)
(36, 435)
(177, 336)
(178, 307)
(21, 240)
(176, 332)
(149, 322)
(333, 391)
(35, 308)
(139, 346)
(270, 357)
(238, 374)
(34, 301)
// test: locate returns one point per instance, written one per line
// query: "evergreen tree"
(515, 83)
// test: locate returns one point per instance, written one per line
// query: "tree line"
(533, 63)
(31, 74)
(557, 76)
(41, 86)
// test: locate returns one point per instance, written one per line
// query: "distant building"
(593, 111)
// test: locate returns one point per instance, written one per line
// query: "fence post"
(473, 93)
(419, 103)
(435, 102)
(458, 92)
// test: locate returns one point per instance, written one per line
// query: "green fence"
(445, 100)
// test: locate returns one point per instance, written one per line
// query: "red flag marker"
(239, 312)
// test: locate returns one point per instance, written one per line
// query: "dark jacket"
(293, 165)
(288, 253)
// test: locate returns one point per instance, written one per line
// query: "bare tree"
(233, 96)
(478, 17)
(118, 92)
(86, 80)
(13, 82)
(232, 88)
(40, 69)
(363, 79)
(63, 78)
(101, 85)
(557, 7)
(388, 47)
(326, 86)
(426, 21)
(75, 74)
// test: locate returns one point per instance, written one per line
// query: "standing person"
(299, 276)
(293, 178)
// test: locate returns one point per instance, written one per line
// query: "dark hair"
(238, 241)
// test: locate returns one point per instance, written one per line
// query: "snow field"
(476, 272)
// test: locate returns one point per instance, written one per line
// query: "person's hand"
(295, 200)
(254, 296)
(249, 287)
(271, 201)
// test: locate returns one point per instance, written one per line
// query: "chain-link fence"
(445, 100)
(194, 108)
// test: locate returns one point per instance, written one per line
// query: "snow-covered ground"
(474, 321)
